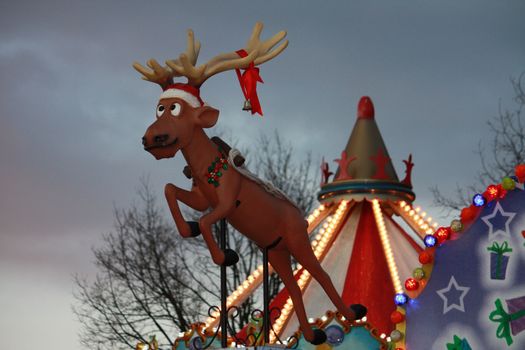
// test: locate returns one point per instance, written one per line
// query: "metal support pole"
(266, 298)
(224, 311)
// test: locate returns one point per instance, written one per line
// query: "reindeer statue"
(261, 213)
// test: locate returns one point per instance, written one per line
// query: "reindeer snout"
(157, 140)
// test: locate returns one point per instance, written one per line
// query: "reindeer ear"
(207, 116)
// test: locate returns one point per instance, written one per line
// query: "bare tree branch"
(504, 151)
(152, 282)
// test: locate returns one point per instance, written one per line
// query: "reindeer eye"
(175, 109)
(160, 110)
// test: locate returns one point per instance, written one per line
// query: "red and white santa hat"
(188, 93)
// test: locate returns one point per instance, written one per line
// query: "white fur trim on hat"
(184, 95)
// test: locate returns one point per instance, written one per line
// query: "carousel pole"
(266, 298)
(224, 294)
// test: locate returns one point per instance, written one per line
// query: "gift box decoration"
(459, 344)
(498, 260)
(511, 322)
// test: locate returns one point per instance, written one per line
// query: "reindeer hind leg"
(302, 252)
(280, 260)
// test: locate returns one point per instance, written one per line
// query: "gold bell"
(247, 106)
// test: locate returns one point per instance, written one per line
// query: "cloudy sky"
(72, 112)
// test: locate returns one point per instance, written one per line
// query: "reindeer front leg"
(227, 257)
(194, 199)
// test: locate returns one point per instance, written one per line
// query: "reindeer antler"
(164, 75)
(185, 66)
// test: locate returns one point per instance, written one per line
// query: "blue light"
(478, 200)
(400, 299)
(430, 241)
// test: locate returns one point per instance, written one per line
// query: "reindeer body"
(249, 204)
(267, 220)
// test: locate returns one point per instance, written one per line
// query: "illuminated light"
(401, 299)
(430, 241)
(311, 320)
(416, 217)
(394, 274)
(492, 192)
(316, 212)
(442, 234)
(435, 224)
(388, 339)
(321, 231)
(329, 219)
(429, 219)
(325, 225)
(407, 208)
(324, 318)
(425, 257)
(364, 319)
(411, 213)
(402, 204)
(429, 231)
(418, 273)
(411, 284)
(420, 222)
(423, 214)
(418, 209)
(382, 336)
(478, 200)
(181, 334)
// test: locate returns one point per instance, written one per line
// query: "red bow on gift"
(248, 81)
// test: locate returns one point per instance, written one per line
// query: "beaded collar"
(215, 170)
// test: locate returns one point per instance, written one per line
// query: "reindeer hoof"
(194, 228)
(238, 160)
(230, 257)
(319, 337)
(359, 310)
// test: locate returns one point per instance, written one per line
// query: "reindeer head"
(180, 110)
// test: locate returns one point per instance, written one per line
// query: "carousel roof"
(365, 168)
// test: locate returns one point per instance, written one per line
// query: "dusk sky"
(73, 110)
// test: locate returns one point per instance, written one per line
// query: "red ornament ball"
(519, 170)
(501, 191)
(411, 284)
(397, 317)
(425, 257)
(468, 214)
(491, 193)
(442, 234)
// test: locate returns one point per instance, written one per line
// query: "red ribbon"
(248, 81)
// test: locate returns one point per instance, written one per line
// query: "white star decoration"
(453, 305)
(498, 210)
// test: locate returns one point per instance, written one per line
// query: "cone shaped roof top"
(365, 168)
